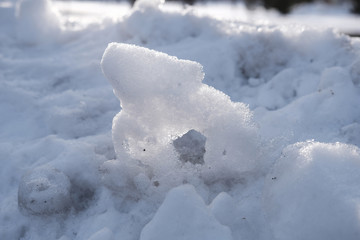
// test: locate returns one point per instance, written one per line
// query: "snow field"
(212, 147)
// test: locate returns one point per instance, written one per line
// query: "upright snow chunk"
(44, 191)
(37, 21)
(314, 192)
(184, 215)
(162, 98)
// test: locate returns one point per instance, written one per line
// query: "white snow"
(184, 215)
(37, 21)
(165, 121)
(162, 98)
(313, 192)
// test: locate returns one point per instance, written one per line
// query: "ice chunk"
(313, 192)
(191, 147)
(44, 191)
(184, 215)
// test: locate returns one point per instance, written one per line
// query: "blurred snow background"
(232, 123)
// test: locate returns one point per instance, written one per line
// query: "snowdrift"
(226, 129)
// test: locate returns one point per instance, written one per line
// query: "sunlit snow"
(166, 121)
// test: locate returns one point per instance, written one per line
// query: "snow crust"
(228, 128)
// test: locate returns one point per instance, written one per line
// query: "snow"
(184, 215)
(37, 21)
(44, 191)
(174, 122)
(162, 98)
(313, 192)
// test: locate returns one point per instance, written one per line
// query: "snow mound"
(224, 209)
(184, 215)
(148, 4)
(37, 21)
(314, 192)
(145, 24)
(44, 191)
(163, 98)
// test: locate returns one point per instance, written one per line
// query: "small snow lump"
(191, 147)
(44, 191)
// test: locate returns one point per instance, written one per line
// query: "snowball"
(314, 192)
(37, 21)
(162, 98)
(191, 147)
(44, 191)
(184, 215)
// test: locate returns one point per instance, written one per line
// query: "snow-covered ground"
(174, 122)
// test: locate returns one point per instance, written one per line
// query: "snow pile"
(314, 192)
(145, 24)
(184, 215)
(212, 147)
(37, 21)
(162, 98)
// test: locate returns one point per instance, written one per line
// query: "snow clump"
(44, 191)
(163, 98)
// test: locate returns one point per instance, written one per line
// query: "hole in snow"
(191, 147)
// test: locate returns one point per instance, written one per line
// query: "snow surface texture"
(217, 146)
